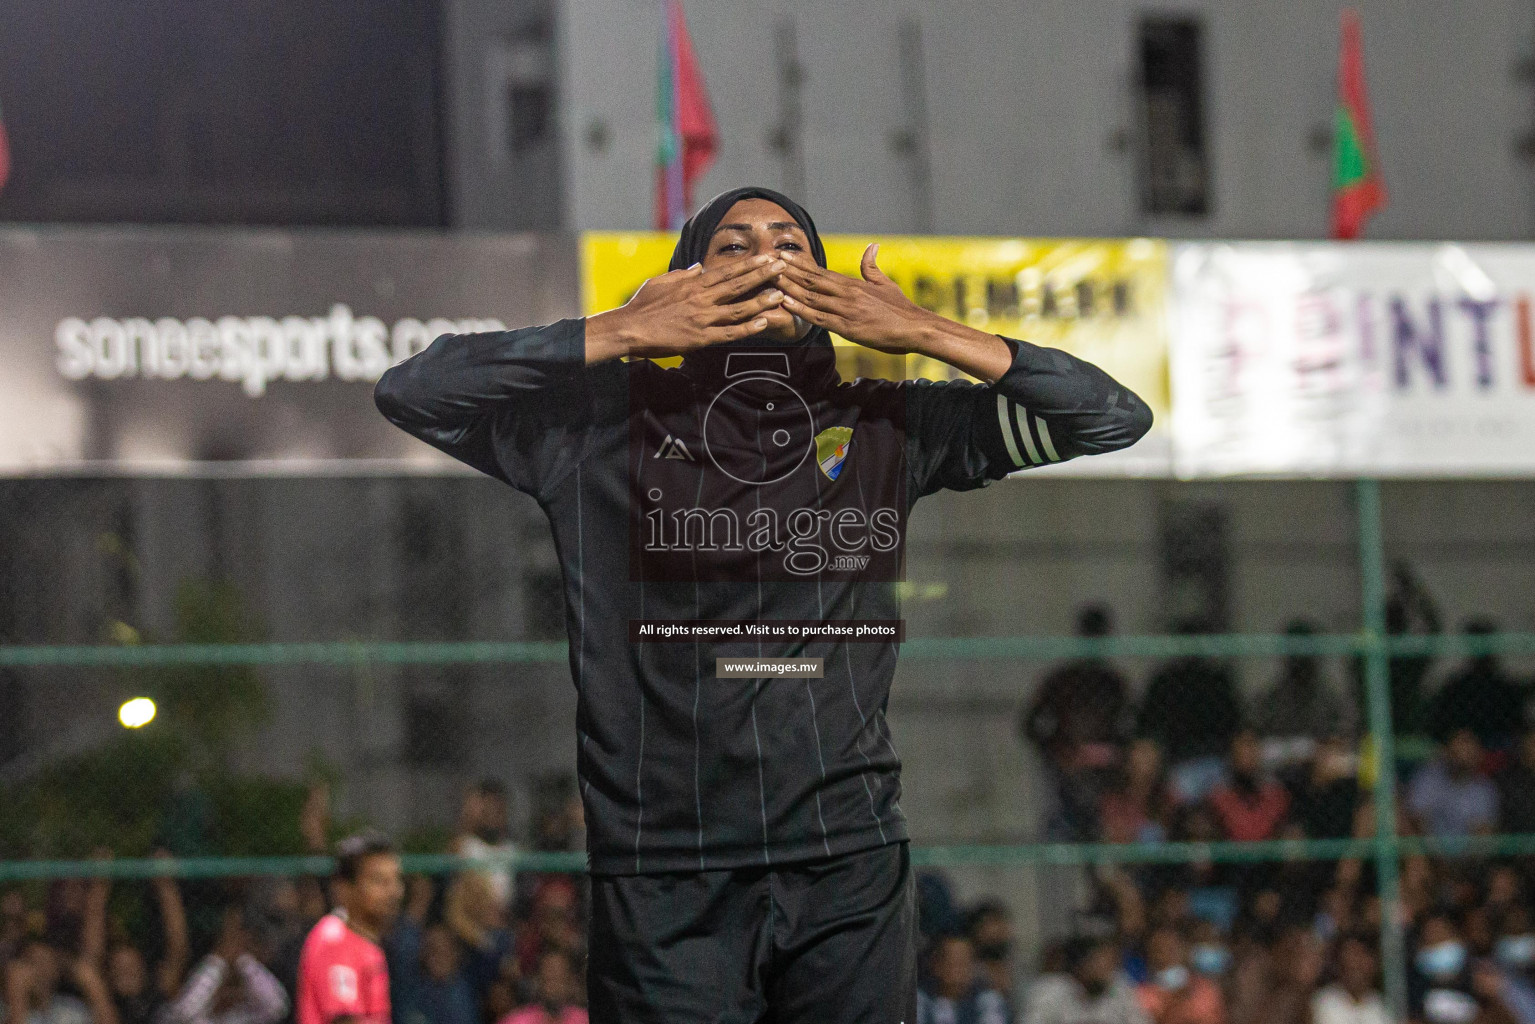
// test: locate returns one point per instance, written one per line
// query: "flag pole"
(674, 185)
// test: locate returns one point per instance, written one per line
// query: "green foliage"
(171, 783)
(213, 706)
(426, 839)
(256, 815)
(109, 796)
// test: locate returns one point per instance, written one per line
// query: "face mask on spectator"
(1442, 961)
(1211, 959)
(1244, 781)
(994, 951)
(1172, 979)
(1095, 987)
(1516, 952)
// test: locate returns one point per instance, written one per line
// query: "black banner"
(175, 350)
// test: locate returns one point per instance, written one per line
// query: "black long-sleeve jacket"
(741, 486)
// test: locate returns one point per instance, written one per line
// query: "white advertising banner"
(1353, 359)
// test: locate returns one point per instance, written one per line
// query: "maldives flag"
(1357, 189)
(688, 136)
(5, 153)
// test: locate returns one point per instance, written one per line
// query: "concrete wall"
(1030, 107)
(488, 48)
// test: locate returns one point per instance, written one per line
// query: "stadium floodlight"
(136, 713)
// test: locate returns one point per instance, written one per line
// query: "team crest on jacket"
(831, 448)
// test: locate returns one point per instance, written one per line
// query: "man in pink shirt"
(1250, 807)
(342, 976)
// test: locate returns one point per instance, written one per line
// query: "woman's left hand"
(872, 311)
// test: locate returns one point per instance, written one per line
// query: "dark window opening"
(433, 737)
(521, 75)
(1174, 171)
(1195, 561)
(528, 114)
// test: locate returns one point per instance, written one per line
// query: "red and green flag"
(1357, 188)
(688, 137)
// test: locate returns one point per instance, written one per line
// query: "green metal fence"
(1371, 644)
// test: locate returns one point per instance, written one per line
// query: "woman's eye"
(790, 245)
(732, 247)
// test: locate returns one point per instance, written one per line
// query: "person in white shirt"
(1355, 997)
(229, 986)
(1091, 990)
(956, 992)
(482, 835)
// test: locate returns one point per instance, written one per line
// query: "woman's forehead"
(756, 211)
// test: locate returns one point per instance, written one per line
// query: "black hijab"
(694, 243)
(816, 368)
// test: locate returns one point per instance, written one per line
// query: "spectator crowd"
(1187, 758)
(1292, 941)
(476, 946)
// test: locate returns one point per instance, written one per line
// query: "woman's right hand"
(687, 309)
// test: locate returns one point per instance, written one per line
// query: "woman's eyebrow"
(777, 225)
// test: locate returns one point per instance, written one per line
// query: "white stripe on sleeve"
(1021, 415)
(1044, 439)
(1007, 431)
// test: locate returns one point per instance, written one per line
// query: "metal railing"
(1370, 643)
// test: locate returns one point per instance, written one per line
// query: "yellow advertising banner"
(1101, 299)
